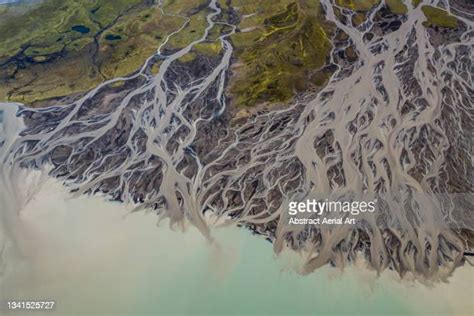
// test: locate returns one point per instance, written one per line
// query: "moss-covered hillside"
(61, 47)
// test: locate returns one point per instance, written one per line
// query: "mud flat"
(83, 251)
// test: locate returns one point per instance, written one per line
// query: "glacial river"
(396, 124)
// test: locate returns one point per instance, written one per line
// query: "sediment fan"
(396, 123)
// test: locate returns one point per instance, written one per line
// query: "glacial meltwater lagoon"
(93, 259)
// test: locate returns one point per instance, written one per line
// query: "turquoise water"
(256, 285)
(94, 261)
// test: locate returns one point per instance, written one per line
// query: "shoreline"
(87, 250)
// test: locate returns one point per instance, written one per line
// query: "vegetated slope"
(58, 48)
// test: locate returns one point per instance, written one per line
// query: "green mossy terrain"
(58, 48)
(280, 48)
(397, 6)
(62, 47)
(358, 5)
(358, 18)
(415, 3)
(361, 8)
(438, 17)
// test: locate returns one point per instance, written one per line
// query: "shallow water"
(92, 259)
(18, 1)
(81, 29)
